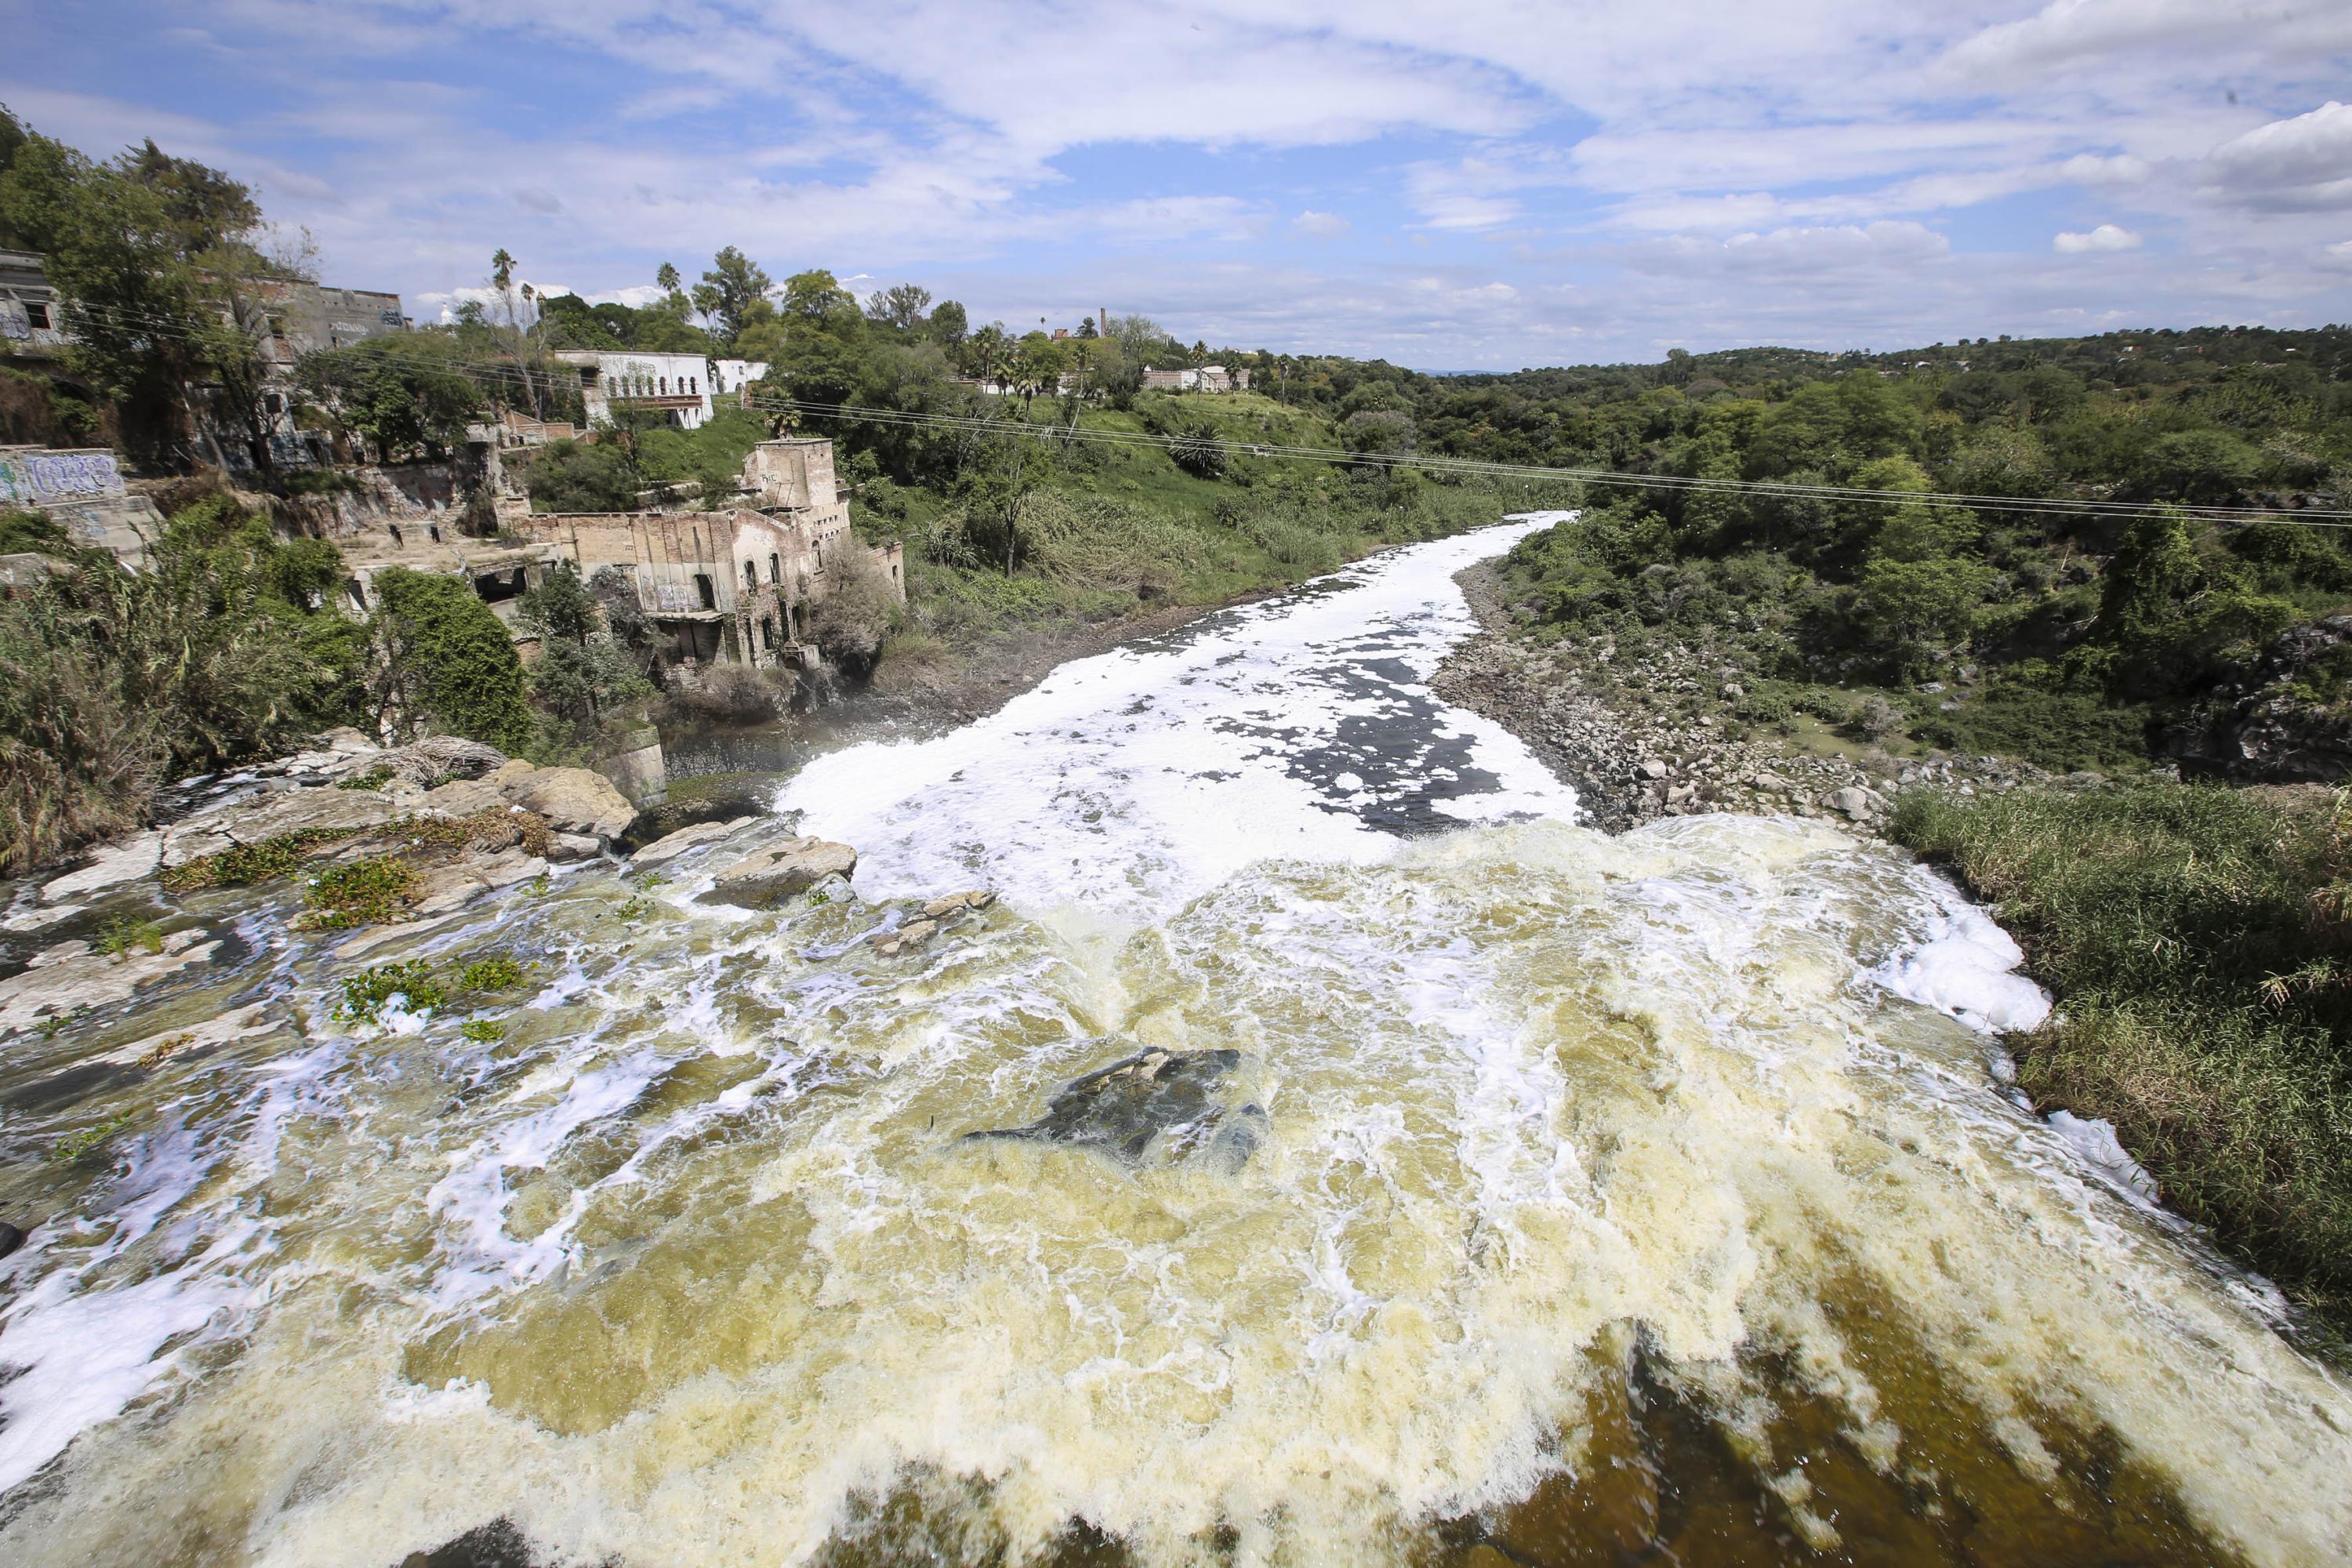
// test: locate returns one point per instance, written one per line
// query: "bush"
(732, 694)
(857, 613)
(441, 658)
(575, 475)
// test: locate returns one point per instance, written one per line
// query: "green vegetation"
(482, 1031)
(498, 973)
(111, 681)
(249, 863)
(374, 778)
(366, 994)
(365, 892)
(2064, 640)
(119, 935)
(2199, 941)
(74, 1145)
(439, 658)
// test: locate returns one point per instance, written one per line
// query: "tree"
(731, 288)
(571, 476)
(899, 306)
(398, 394)
(439, 660)
(947, 325)
(667, 280)
(582, 671)
(816, 296)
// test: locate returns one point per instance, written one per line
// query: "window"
(37, 312)
(434, 530)
(694, 384)
(767, 633)
(708, 590)
(750, 575)
(664, 386)
(775, 569)
(396, 540)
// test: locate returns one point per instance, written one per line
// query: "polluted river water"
(1572, 1198)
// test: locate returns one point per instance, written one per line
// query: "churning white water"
(1654, 1190)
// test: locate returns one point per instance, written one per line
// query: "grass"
(374, 778)
(2197, 938)
(483, 1031)
(498, 973)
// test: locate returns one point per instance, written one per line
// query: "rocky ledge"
(1631, 767)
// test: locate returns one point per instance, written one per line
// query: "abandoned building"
(82, 490)
(29, 326)
(735, 585)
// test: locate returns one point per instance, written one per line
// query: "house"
(29, 326)
(728, 377)
(677, 387)
(735, 585)
(1208, 378)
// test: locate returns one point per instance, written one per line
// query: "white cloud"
(2106, 237)
(2303, 165)
(1312, 224)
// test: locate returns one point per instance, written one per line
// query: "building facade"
(29, 324)
(677, 387)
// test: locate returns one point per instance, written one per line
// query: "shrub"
(498, 972)
(731, 694)
(439, 657)
(365, 892)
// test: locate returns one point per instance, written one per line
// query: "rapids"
(1661, 1187)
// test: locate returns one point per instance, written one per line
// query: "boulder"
(1155, 1105)
(780, 872)
(506, 775)
(956, 904)
(568, 847)
(115, 864)
(445, 887)
(1651, 768)
(11, 1239)
(915, 933)
(573, 800)
(1858, 803)
(464, 797)
(292, 811)
(670, 846)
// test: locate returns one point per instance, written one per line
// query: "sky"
(1476, 185)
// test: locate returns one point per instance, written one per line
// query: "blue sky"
(1469, 186)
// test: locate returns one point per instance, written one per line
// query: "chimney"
(1104, 313)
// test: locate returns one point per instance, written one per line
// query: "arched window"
(768, 632)
(750, 575)
(664, 386)
(775, 569)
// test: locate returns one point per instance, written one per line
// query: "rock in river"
(1168, 1099)
(780, 870)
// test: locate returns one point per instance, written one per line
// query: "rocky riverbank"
(1633, 764)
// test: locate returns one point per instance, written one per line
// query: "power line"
(515, 378)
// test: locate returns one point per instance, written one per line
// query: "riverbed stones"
(670, 846)
(1153, 1106)
(11, 1239)
(914, 933)
(70, 977)
(110, 867)
(1858, 803)
(956, 904)
(780, 872)
(573, 800)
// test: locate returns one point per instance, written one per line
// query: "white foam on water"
(1134, 781)
(1966, 966)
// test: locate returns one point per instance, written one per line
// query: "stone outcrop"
(573, 800)
(670, 846)
(69, 977)
(2290, 722)
(769, 876)
(1153, 1107)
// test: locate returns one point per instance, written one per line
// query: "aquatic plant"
(361, 893)
(365, 994)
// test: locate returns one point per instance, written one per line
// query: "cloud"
(2302, 164)
(1312, 224)
(2106, 237)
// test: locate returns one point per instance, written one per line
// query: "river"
(1655, 1194)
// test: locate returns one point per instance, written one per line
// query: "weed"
(483, 1031)
(635, 908)
(250, 863)
(165, 1050)
(498, 972)
(74, 1145)
(361, 893)
(374, 778)
(118, 936)
(365, 994)
(538, 886)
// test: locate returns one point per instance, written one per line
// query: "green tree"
(899, 308)
(439, 660)
(583, 672)
(400, 395)
(730, 288)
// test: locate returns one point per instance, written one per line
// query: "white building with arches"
(612, 381)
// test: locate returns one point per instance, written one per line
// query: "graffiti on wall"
(42, 478)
